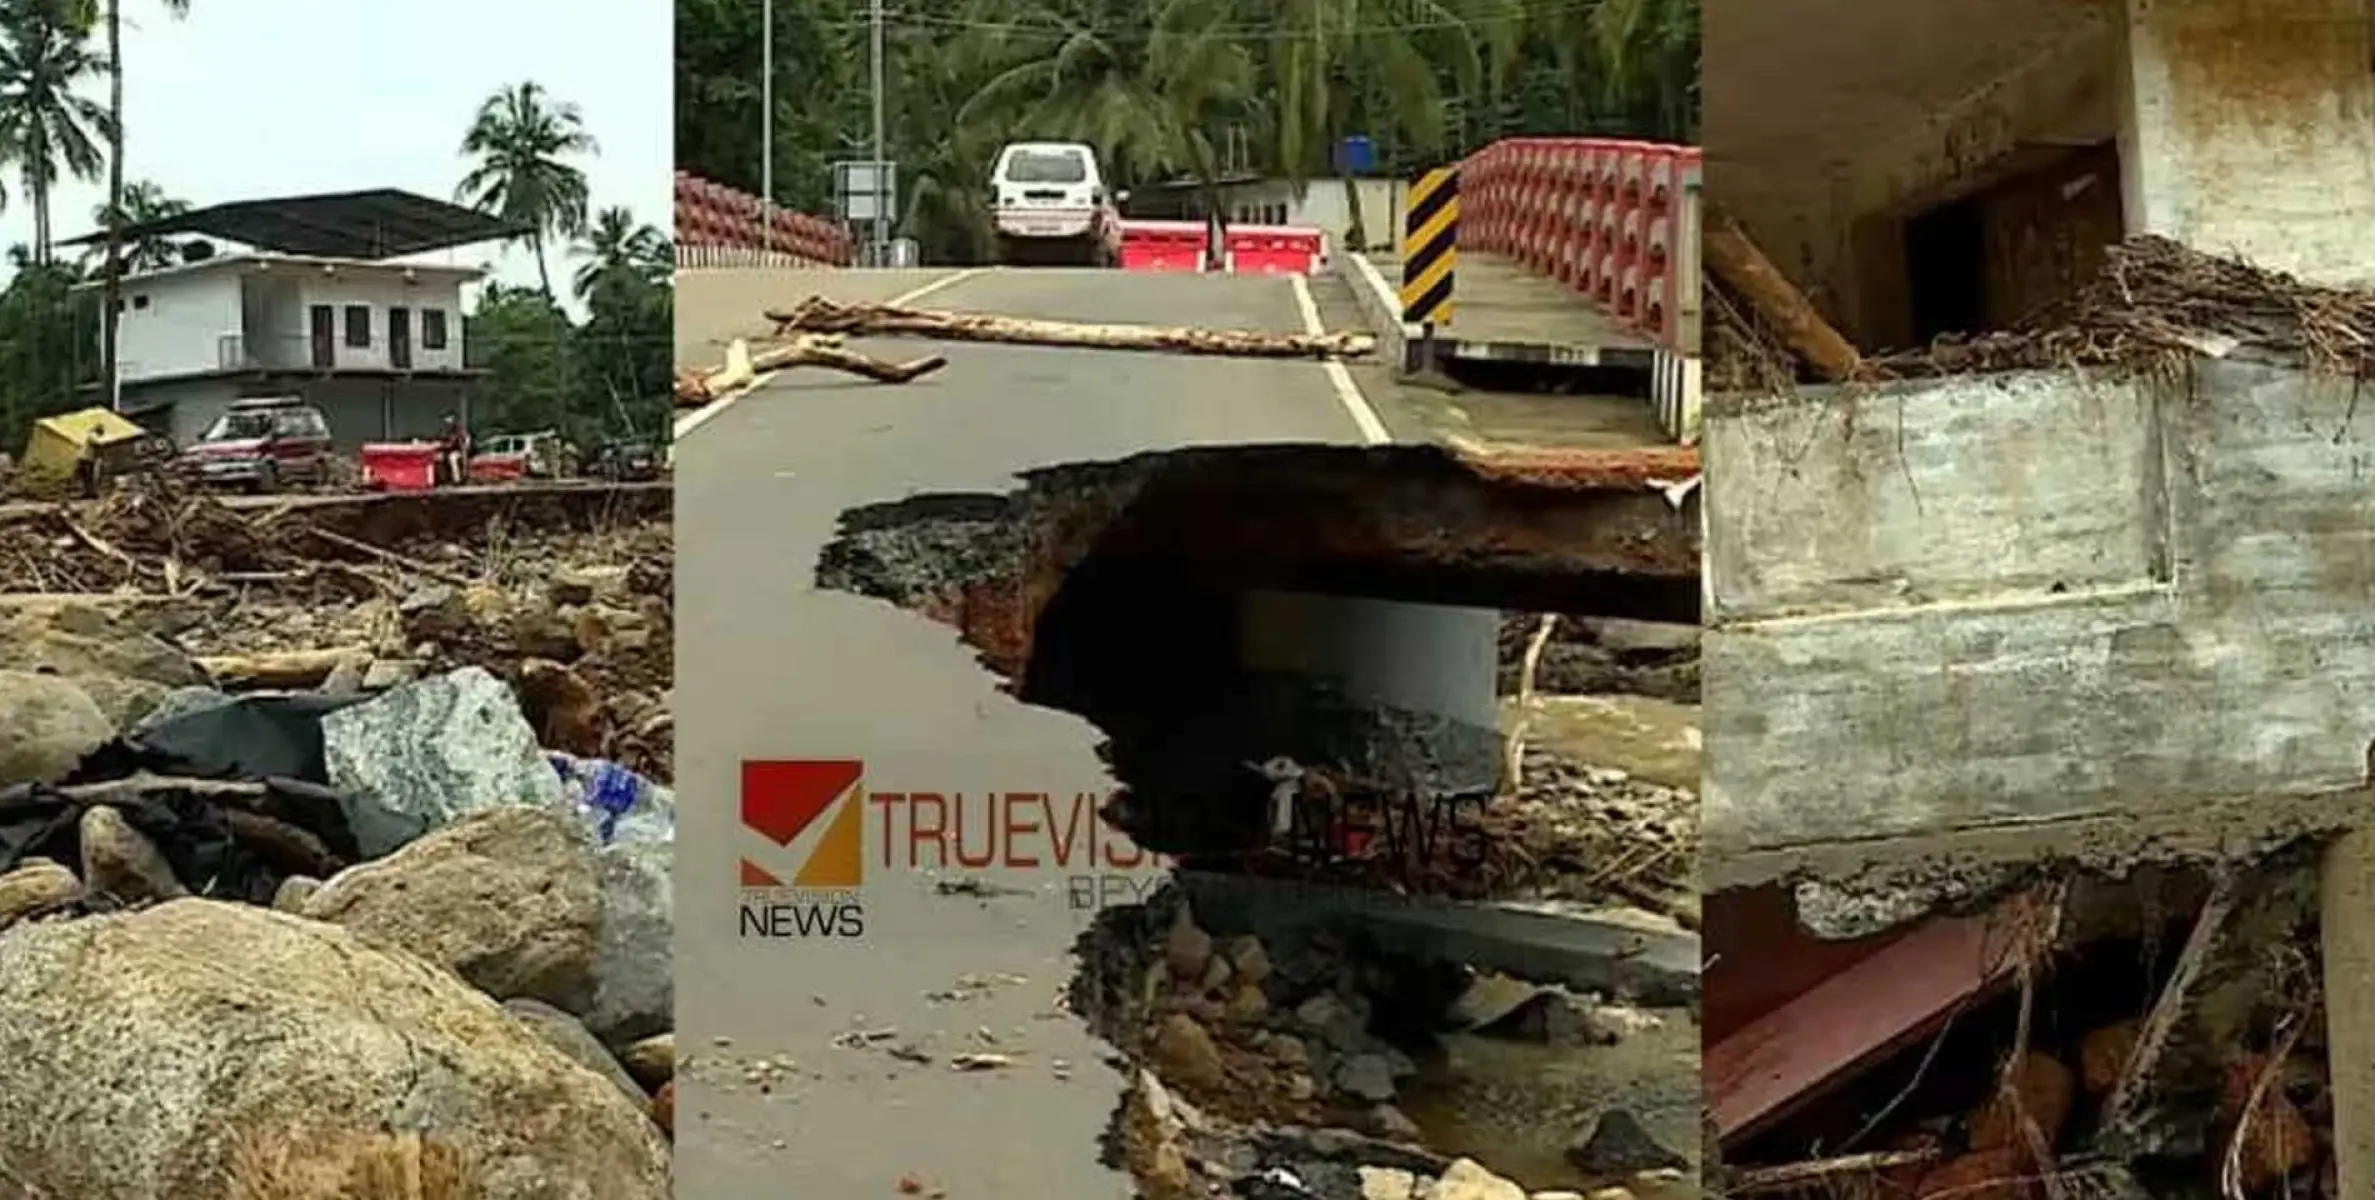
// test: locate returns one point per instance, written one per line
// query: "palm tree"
(1144, 91)
(144, 203)
(108, 310)
(45, 124)
(616, 247)
(519, 139)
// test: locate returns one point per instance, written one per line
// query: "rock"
(437, 614)
(507, 899)
(2047, 1090)
(634, 823)
(584, 585)
(1184, 1052)
(293, 892)
(538, 632)
(1216, 975)
(563, 1033)
(181, 702)
(214, 1020)
(2103, 1056)
(35, 884)
(416, 758)
(1385, 1183)
(385, 673)
(564, 708)
(1466, 1179)
(1393, 1124)
(1301, 1086)
(1186, 949)
(1251, 961)
(126, 701)
(1287, 1050)
(346, 678)
(1168, 1172)
(663, 1108)
(121, 864)
(1367, 1076)
(79, 640)
(47, 725)
(652, 1060)
(1336, 1021)
(1619, 1145)
(1248, 1004)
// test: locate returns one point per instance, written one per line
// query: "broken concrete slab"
(2074, 615)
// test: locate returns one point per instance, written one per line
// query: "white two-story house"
(313, 307)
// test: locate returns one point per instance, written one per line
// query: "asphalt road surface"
(770, 667)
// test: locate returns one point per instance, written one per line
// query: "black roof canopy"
(377, 224)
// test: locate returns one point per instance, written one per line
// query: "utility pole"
(882, 216)
(766, 125)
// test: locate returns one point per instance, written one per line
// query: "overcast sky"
(251, 98)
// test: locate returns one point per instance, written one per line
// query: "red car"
(262, 444)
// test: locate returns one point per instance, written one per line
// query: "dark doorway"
(325, 337)
(1946, 259)
(400, 338)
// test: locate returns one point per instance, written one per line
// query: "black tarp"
(275, 741)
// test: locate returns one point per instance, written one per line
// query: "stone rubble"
(475, 986)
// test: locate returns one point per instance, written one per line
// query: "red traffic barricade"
(1163, 245)
(401, 466)
(1275, 249)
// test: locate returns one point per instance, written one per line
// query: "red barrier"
(1275, 249)
(1604, 217)
(400, 466)
(1163, 245)
(720, 226)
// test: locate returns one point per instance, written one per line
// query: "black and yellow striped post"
(1431, 247)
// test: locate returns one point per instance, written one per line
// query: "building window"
(140, 302)
(432, 329)
(358, 325)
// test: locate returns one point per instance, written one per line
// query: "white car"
(1050, 205)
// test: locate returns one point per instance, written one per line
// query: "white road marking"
(1339, 377)
(700, 416)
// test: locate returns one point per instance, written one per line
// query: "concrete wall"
(358, 410)
(175, 323)
(2004, 602)
(207, 316)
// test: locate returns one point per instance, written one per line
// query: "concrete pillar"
(2347, 923)
(2247, 128)
(1426, 659)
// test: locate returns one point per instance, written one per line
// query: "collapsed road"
(871, 575)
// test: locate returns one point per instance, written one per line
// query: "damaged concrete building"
(2041, 547)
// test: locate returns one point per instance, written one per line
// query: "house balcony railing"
(298, 352)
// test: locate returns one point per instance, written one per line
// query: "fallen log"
(1736, 260)
(817, 314)
(744, 370)
(291, 669)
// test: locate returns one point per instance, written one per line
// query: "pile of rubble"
(332, 873)
(1287, 1078)
(2155, 305)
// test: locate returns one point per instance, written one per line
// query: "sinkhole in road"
(1361, 615)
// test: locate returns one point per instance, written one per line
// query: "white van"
(1049, 205)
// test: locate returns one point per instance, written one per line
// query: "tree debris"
(744, 370)
(817, 314)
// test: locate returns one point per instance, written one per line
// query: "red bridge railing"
(719, 226)
(1617, 221)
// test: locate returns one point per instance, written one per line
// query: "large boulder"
(76, 639)
(507, 899)
(47, 725)
(418, 757)
(137, 1050)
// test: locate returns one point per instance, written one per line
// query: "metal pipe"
(767, 125)
(882, 216)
